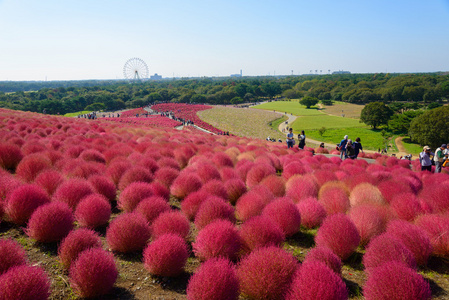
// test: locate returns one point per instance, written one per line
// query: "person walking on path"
(439, 158)
(290, 138)
(301, 140)
(424, 159)
(342, 147)
(357, 147)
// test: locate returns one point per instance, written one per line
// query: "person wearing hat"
(342, 147)
(439, 158)
(424, 159)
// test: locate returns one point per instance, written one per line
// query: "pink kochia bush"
(103, 186)
(339, 234)
(128, 232)
(12, 254)
(135, 174)
(170, 222)
(368, 220)
(266, 273)
(134, 193)
(72, 191)
(301, 187)
(326, 256)
(366, 193)
(93, 211)
(49, 180)
(10, 156)
(166, 256)
(93, 273)
(51, 222)
(284, 213)
(437, 228)
(406, 206)
(76, 242)
(249, 205)
(23, 201)
(152, 207)
(25, 283)
(315, 280)
(334, 198)
(31, 165)
(184, 184)
(235, 188)
(413, 237)
(260, 231)
(395, 281)
(214, 279)
(312, 212)
(191, 203)
(218, 239)
(211, 209)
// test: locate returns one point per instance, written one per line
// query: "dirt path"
(401, 150)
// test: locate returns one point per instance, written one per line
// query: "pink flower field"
(131, 208)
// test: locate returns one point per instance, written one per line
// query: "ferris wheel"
(135, 69)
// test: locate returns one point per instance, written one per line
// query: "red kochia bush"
(116, 170)
(235, 188)
(216, 188)
(312, 212)
(211, 209)
(166, 175)
(135, 174)
(31, 165)
(301, 187)
(93, 211)
(12, 254)
(23, 201)
(334, 198)
(260, 231)
(103, 185)
(184, 184)
(192, 203)
(128, 232)
(25, 283)
(437, 228)
(413, 237)
(384, 249)
(366, 193)
(214, 279)
(315, 280)
(166, 256)
(406, 206)
(160, 190)
(76, 242)
(396, 281)
(266, 273)
(218, 239)
(131, 196)
(152, 207)
(10, 156)
(51, 222)
(275, 184)
(249, 205)
(93, 273)
(207, 171)
(326, 256)
(170, 222)
(368, 220)
(257, 173)
(293, 168)
(283, 212)
(49, 180)
(72, 191)
(338, 233)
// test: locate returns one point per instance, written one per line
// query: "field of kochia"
(138, 210)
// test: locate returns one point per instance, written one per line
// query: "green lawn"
(291, 107)
(74, 114)
(323, 120)
(411, 148)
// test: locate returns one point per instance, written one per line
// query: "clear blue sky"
(72, 40)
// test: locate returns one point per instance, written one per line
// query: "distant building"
(341, 72)
(237, 75)
(155, 77)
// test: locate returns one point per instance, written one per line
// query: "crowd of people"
(349, 149)
(439, 158)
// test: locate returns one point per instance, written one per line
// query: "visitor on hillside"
(342, 146)
(301, 140)
(438, 158)
(290, 138)
(424, 159)
(357, 147)
(350, 151)
(322, 145)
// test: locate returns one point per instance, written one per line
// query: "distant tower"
(241, 73)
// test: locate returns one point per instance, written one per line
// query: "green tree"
(322, 130)
(375, 114)
(308, 101)
(400, 123)
(327, 102)
(430, 128)
(95, 106)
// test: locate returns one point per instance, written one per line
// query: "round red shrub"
(128, 232)
(131, 196)
(152, 207)
(104, 186)
(406, 206)
(260, 231)
(31, 165)
(185, 184)
(166, 256)
(386, 248)
(23, 201)
(25, 283)
(50, 222)
(293, 168)
(10, 156)
(191, 203)
(275, 184)
(72, 191)
(211, 209)
(207, 171)
(300, 187)
(338, 233)
(366, 193)
(437, 228)
(160, 190)
(49, 180)
(93, 211)
(116, 170)
(76, 242)
(214, 279)
(395, 281)
(93, 273)
(92, 155)
(326, 256)
(284, 213)
(8, 184)
(249, 205)
(323, 176)
(368, 221)
(221, 159)
(413, 237)
(312, 212)
(257, 173)
(135, 174)
(174, 222)
(228, 173)
(215, 187)
(12, 254)
(166, 175)
(235, 188)
(266, 273)
(315, 280)
(218, 239)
